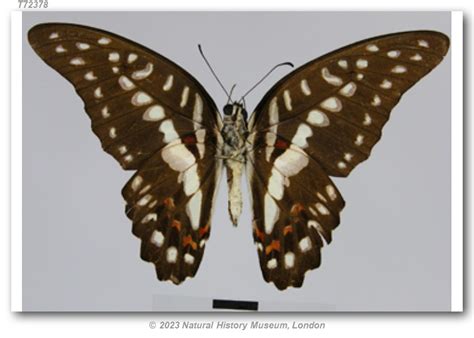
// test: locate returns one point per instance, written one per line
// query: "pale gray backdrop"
(390, 253)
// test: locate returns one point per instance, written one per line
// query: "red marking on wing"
(190, 139)
(204, 230)
(281, 144)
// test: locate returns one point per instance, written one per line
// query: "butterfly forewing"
(152, 116)
(322, 120)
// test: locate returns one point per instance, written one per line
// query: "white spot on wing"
(190, 180)
(171, 254)
(423, 43)
(178, 157)
(322, 209)
(305, 244)
(372, 48)
(112, 132)
(359, 140)
(143, 73)
(105, 112)
(144, 200)
(416, 57)
(82, 46)
(114, 57)
(276, 184)
(302, 133)
(331, 191)
(98, 93)
(104, 41)
(376, 101)
(399, 69)
(141, 98)
(132, 57)
(125, 83)
(168, 83)
(60, 49)
(332, 104)
(184, 97)
(157, 238)
(137, 182)
(170, 134)
(362, 63)
(154, 113)
(367, 120)
(54, 35)
(272, 263)
(305, 87)
(343, 64)
(89, 76)
(188, 258)
(150, 217)
(77, 61)
(287, 100)
(386, 84)
(289, 260)
(349, 89)
(317, 118)
(193, 209)
(329, 78)
(271, 212)
(393, 54)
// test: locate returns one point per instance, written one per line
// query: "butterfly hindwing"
(322, 120)
(153, 117)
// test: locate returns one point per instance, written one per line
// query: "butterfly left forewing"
(322, 120)
(153, 117)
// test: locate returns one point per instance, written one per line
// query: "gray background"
(390, 253)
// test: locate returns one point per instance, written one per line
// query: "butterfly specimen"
(153, 117)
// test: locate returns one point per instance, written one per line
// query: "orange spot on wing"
(169, 203)
(188, 240)
(274, 245)
(259, 234)
(288, 229)
(204, 230)
(296, 209)
(176, 224)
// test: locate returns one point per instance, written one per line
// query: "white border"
(16, 162)
(457, 161)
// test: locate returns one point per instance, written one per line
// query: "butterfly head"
(235, 111)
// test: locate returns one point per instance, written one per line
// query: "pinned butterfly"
(153, 117)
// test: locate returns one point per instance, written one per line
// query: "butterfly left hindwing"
(153, 117)
(322, 120)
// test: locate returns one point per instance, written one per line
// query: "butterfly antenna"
(265, 76)
(214, 73)
(230, 94)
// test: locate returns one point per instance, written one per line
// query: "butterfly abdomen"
(234, 133)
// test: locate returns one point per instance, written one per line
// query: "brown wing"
(319, 121)
(153, 117)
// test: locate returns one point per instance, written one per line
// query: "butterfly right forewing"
(322, 120)
(153, 117)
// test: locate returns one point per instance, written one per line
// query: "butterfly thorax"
(234, 133)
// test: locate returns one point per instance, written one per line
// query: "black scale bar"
(234, 304)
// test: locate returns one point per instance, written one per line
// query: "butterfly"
(154, 118)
